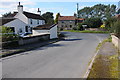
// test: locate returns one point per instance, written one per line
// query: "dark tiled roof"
(44, 27)
(5, 20)
(28, 15)
(67, 18)
(33, 16)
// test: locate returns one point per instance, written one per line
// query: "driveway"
(68, 58)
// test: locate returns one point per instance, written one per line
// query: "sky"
(64, 7)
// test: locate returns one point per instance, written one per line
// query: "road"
(68, 58)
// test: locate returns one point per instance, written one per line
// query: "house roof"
(44, 27)
(5, 20)
(118, 16)
(33, 16)
(67, 18)
(28, 15)
(80, 19)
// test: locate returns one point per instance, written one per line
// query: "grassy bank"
(87, 31)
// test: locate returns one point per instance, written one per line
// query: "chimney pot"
(19, 3)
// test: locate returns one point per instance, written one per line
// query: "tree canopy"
(6, 14)
(93, 22)
(48, 16)
(99, 10)
(56, 19)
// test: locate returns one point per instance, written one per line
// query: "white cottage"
(22, 21)
(46, 29)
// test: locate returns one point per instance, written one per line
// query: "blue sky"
(65, 8)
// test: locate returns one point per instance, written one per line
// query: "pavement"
(67, 58)
(107, 49)
(105, 64)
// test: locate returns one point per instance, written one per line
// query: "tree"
(99, 10)
(118, 11)
(6, 14)
(48, 16)
(56, 19)
(93, 22)
(115, 28)
(108, 22)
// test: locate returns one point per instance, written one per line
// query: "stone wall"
(67, 24)
(32, 39)
(116, 41)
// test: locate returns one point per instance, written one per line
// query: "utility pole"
(77, 13)
(77, 10)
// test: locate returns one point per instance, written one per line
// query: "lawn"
(87, 31)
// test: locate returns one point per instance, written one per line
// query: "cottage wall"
(17, 24)
(67, 24)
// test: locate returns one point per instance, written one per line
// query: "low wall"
(33, 39)
(116, 41)
(8, 44)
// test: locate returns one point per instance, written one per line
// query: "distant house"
(21, 21)
(118, 16)
(46, 29)
(68, 22)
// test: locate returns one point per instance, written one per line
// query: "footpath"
(106, 65)
(23, 48)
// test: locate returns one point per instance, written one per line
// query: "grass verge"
(105, 66)
(87, 31)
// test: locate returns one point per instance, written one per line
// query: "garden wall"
(32, 39)
(24, 41)
(116, 41)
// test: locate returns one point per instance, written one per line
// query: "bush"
(7, 34)
(116, 28)
(109, 22)
(80, 27)
(93, 22)
(74, 28)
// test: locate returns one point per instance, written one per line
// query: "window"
(26, 28)
(12, 29)
(70, 26)
(37, 21)
(31, 21)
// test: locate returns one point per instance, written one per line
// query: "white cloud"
(6, 7)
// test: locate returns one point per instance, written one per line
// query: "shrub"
(109, 22)
(116, 28)
(80, 27)
(74, 28)
(93, 22)
(7, 34)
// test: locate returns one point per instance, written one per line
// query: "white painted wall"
(53, 32)
(18, 24)
(22, 17)
(35, 22)
(38, 32)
